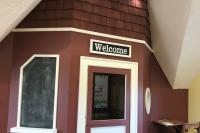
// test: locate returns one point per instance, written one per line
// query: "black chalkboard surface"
(38, 88)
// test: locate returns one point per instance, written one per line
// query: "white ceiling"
(12, 12)
(175, 28)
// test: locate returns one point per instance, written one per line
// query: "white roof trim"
(84, 32)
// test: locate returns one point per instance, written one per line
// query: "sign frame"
(110, 43)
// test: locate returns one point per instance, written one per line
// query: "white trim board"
(85, 62)
(19, 129)
(32, 130)
(67, 29)
(110, 129)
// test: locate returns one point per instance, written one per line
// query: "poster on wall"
(101, 91)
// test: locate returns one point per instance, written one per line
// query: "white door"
(107, 96)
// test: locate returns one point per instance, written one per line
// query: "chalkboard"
(38, 88)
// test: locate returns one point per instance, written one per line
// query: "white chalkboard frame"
(20, 129)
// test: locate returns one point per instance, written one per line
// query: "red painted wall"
(118, 17)
(6, 51)
(166, 102)
(27, 44)
(70, 46)
(146, 83)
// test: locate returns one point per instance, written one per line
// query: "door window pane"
(108, 96)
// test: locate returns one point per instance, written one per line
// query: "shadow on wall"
(6, 52)
(166, 102)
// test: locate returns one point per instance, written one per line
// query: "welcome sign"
(109, 48)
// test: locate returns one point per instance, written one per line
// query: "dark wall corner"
(6, 52)
(166, 102)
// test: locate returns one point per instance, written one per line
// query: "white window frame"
(18, 128)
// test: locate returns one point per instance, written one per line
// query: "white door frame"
(85, 62)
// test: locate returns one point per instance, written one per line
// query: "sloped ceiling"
(12, 12)
(175, 28)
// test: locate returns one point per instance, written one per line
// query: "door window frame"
(109, 122)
